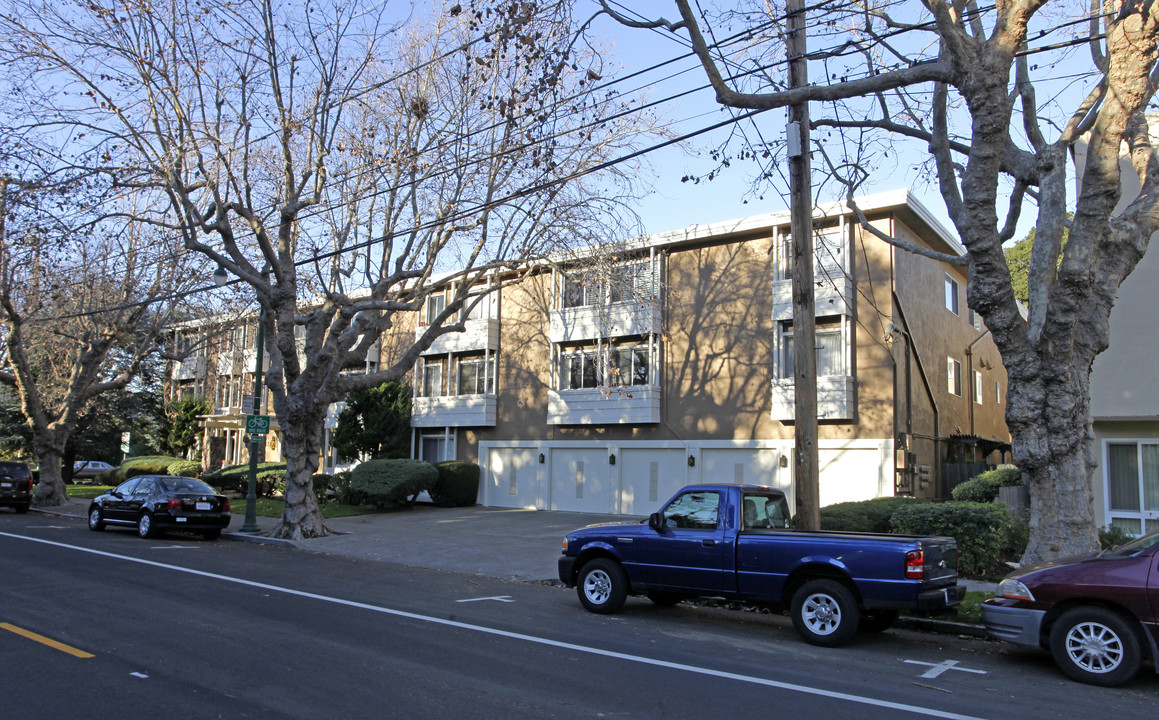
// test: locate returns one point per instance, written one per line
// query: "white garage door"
(649, 477)
(513, 478)
(849, 474)
(744, 466)
(580, 480)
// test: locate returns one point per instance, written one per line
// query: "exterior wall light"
(691, 461)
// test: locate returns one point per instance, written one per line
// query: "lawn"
(970, 609)
(264, 507)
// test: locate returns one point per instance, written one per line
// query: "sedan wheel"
(145, 526)
(96, 521)
(1095, 645)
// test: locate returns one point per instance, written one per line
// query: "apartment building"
(612, 378)
(609, 382)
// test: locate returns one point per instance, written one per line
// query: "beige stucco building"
(604, 387)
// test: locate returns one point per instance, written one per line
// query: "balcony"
(480, 334)
(589, 322)
(836, 398)
(633, 405)
(190, 368)
(832, 295)
(454, 411)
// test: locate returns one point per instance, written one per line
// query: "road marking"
(937, 669)
(49, 527)
(46, 641)
(600, 652)
(141, 675)
(173, 547)
(497, 598)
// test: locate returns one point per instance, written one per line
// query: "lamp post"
(250, 525)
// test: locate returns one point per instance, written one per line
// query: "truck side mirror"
(656, 521)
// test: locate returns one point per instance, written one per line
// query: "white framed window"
(975, 319)
(433, 447)
(435, 304)
(628, 365)
(830, 348)
(628, 281)
(977, 376)
(581, 369)
(952, 295)
(592, 366)
(1131, 469)
(432, 377)
(954, 376)
(476, 376)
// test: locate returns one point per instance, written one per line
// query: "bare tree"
(342, 167)
(84, 301)
(963, 82)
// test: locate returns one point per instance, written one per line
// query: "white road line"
(936, 669)
(497, 598)
(804, 689)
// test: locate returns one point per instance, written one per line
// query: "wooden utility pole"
(805, 461)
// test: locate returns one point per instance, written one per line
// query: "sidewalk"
(516, 545)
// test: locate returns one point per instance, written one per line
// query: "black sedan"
(155, 503)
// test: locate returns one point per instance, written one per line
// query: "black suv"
(15, 485)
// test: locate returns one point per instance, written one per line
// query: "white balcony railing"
(589, 322)
(836, 398)
(191, 368)
(634, 405)
(454, 411)
(482, 334)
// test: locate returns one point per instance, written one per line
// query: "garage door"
(580, 480)
(513, 478)
(849, 475)
(744, 466)
(649, 477)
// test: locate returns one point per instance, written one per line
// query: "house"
(618, 377)
(615, 376)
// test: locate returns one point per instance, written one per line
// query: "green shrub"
(863, 516)
(387, 483)
(270, 483)
(457, 484)
(983, 488)
(343, 493)
(185, 468)
(1113, 535)
(321, 482)
(236, 477)
(144, 465)
(981, 529)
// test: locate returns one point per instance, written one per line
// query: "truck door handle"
(707, 543)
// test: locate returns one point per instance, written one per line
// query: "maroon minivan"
(1098, 614)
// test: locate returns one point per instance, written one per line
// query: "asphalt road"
(181, 627)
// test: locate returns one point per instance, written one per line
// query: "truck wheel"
(825, 613)
(875, 621)
(1096, 646)
(602, 586)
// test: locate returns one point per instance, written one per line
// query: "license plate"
(181, 519)
(204, 506)
(5, 485)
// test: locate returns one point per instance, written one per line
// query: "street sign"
(124, 442)
(249, 404)
(257, 424)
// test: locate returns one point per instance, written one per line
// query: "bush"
(269, 483)
(340, 484)
(185, 468)
(132, 467)
(984, 488)
(864, 516)
(457, 484)
(1114, 535)
(237, 477)
(387, 483)
(322, 483)
(981, 529)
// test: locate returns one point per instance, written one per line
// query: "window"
(476, 376)
(1132, 472)
(581, 369)
(975, 320)
(954, 376)
(435, 305)
(977, 387)
(625, 282)
(628, 365)
(432, 378)
(693, 511)
(952, 295)
(830, 348)
(433, 448)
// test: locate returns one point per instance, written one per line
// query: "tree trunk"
(51, 491)
(302, 442)
(1061, 500)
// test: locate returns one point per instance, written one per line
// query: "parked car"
(89, 469)
(1097, 614)
(15, 485)
(155, 503)
(733, 541)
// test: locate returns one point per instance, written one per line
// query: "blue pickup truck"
(733, 541)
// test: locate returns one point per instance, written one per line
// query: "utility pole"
(805, 477)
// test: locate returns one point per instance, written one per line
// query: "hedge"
(864, 516)
(457, 484)
(984, 488)
(983, 531)
(132, 467)
(387, 483)
(236, 477)
(185, 468)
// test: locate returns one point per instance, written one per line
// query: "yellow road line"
(46, 641)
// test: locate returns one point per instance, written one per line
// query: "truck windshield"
(765, 511)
